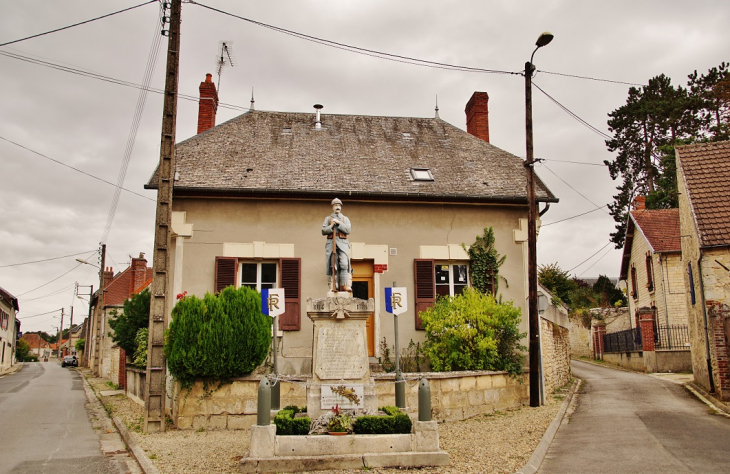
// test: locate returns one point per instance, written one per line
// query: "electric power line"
(575, 116)
(573, 217)
(75, 169)
(590, 78)
(568, 161)
(48, 283)
(77, 24)
(36, 315)
(584, 261)
(594, 263)
(44, 260)
(571, 187)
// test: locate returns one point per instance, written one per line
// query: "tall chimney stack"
(207, 105)
(477, 115)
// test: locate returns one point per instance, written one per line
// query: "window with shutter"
(425, 287)
(225, 272)
(291, 281)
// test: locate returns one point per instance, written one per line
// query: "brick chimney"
(477, 115)
(107, 276)
(639, 203)
(207, 105)
(139, 273)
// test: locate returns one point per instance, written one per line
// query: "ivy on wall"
(485, 262)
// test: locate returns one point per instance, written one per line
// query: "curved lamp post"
(534, 317)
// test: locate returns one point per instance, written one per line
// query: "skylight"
(421, 174)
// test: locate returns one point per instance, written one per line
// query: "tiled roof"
(660, 227)
(706, 168)
(32, 340)
(120, 288)
(12, 300)
(276, 153)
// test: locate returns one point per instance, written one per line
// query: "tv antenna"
(225, 58)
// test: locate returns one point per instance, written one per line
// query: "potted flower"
(340, 424)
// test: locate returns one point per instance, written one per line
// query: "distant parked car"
(70, 361)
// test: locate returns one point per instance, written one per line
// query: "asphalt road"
(628, 422)
(44, 425)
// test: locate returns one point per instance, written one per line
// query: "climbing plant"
(485, 262)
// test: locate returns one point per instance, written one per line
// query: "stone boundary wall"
(555, 354)
(454, 396)
(581, 339)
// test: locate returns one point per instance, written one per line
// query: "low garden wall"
(631, 360)
(136, 384)
(454, 396)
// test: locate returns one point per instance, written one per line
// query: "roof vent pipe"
(318, 121)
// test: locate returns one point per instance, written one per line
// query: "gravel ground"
(500, 442)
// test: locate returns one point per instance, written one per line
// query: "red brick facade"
(720, 332)
(646, 321)
(599, 331)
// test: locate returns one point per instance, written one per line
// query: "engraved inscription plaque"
(341, 353)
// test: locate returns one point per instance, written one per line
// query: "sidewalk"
(12, 369)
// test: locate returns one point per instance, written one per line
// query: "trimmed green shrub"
(22, 348)
(30, 358)
(287, 425)
(220, 336)
(396, 422)
(473, 331)
(134, 316)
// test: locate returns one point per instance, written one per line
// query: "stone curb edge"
(703, 396)
(142, 460)
(138, 453)
(541, 450)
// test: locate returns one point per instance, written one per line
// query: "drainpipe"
(704, 316)
(664, 294)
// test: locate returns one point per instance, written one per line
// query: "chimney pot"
(639, 203)
(318, 121)
(477, 115)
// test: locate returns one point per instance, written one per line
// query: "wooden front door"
(363, 287)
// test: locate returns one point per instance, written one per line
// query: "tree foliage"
(79, 345)
(472, 331)
(220, 336)
(576, 293)
(21, 349)
(656, 118)
(135, 316)
(485, 262)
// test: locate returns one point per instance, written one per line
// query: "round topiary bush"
(220, 336)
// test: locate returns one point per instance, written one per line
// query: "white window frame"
(258, 264)
(451, 265)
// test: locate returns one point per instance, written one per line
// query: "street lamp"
(534, 317)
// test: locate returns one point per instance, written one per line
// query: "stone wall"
(454, 396)
(581, 341)
(555, 354)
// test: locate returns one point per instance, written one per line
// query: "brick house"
(651, 264)
(38, 345)
(250, 196)
(8, 311)
(106, 359)
(703, 177)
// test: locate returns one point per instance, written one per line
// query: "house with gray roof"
(703, 174)
(250, 196)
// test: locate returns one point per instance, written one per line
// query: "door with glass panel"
(363, 288)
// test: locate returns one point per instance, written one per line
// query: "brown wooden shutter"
(290, 271)
(425, 287)
(226, 269)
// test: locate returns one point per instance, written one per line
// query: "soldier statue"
(337, 228)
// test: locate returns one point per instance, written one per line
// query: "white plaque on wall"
(341, 353)
(345, 396)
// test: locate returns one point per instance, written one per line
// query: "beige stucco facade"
(383, 233)
(7, 334)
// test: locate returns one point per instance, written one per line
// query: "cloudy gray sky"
(49, 210)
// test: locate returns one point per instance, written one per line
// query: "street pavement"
(629, 422)
(45, 425)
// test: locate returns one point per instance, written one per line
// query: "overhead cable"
(77, 24)
(44, 260)
(575, 116)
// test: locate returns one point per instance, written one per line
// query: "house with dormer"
(250, 196)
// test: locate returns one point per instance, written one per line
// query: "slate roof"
(262, 153)
(660, 227)
(706, 169)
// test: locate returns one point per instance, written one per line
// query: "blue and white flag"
(272, 301)
(396, 300)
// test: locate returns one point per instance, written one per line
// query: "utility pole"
(534, 317)
(60, 335)
(99, 308)
(87, 343)
(155, 394)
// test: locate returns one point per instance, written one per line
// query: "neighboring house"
(703, 182)
(8, 310)
(38, 345)
(652, 265)
(106, 359)
(251, 194)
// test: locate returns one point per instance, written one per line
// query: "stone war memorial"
(340, 377)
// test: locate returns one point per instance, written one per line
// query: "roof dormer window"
(421, 174)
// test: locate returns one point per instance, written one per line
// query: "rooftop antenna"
(225, 58)
(252, 101)
(437, 106)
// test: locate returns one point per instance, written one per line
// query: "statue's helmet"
(335, 201)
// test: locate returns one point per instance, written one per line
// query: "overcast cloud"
(48, 210)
